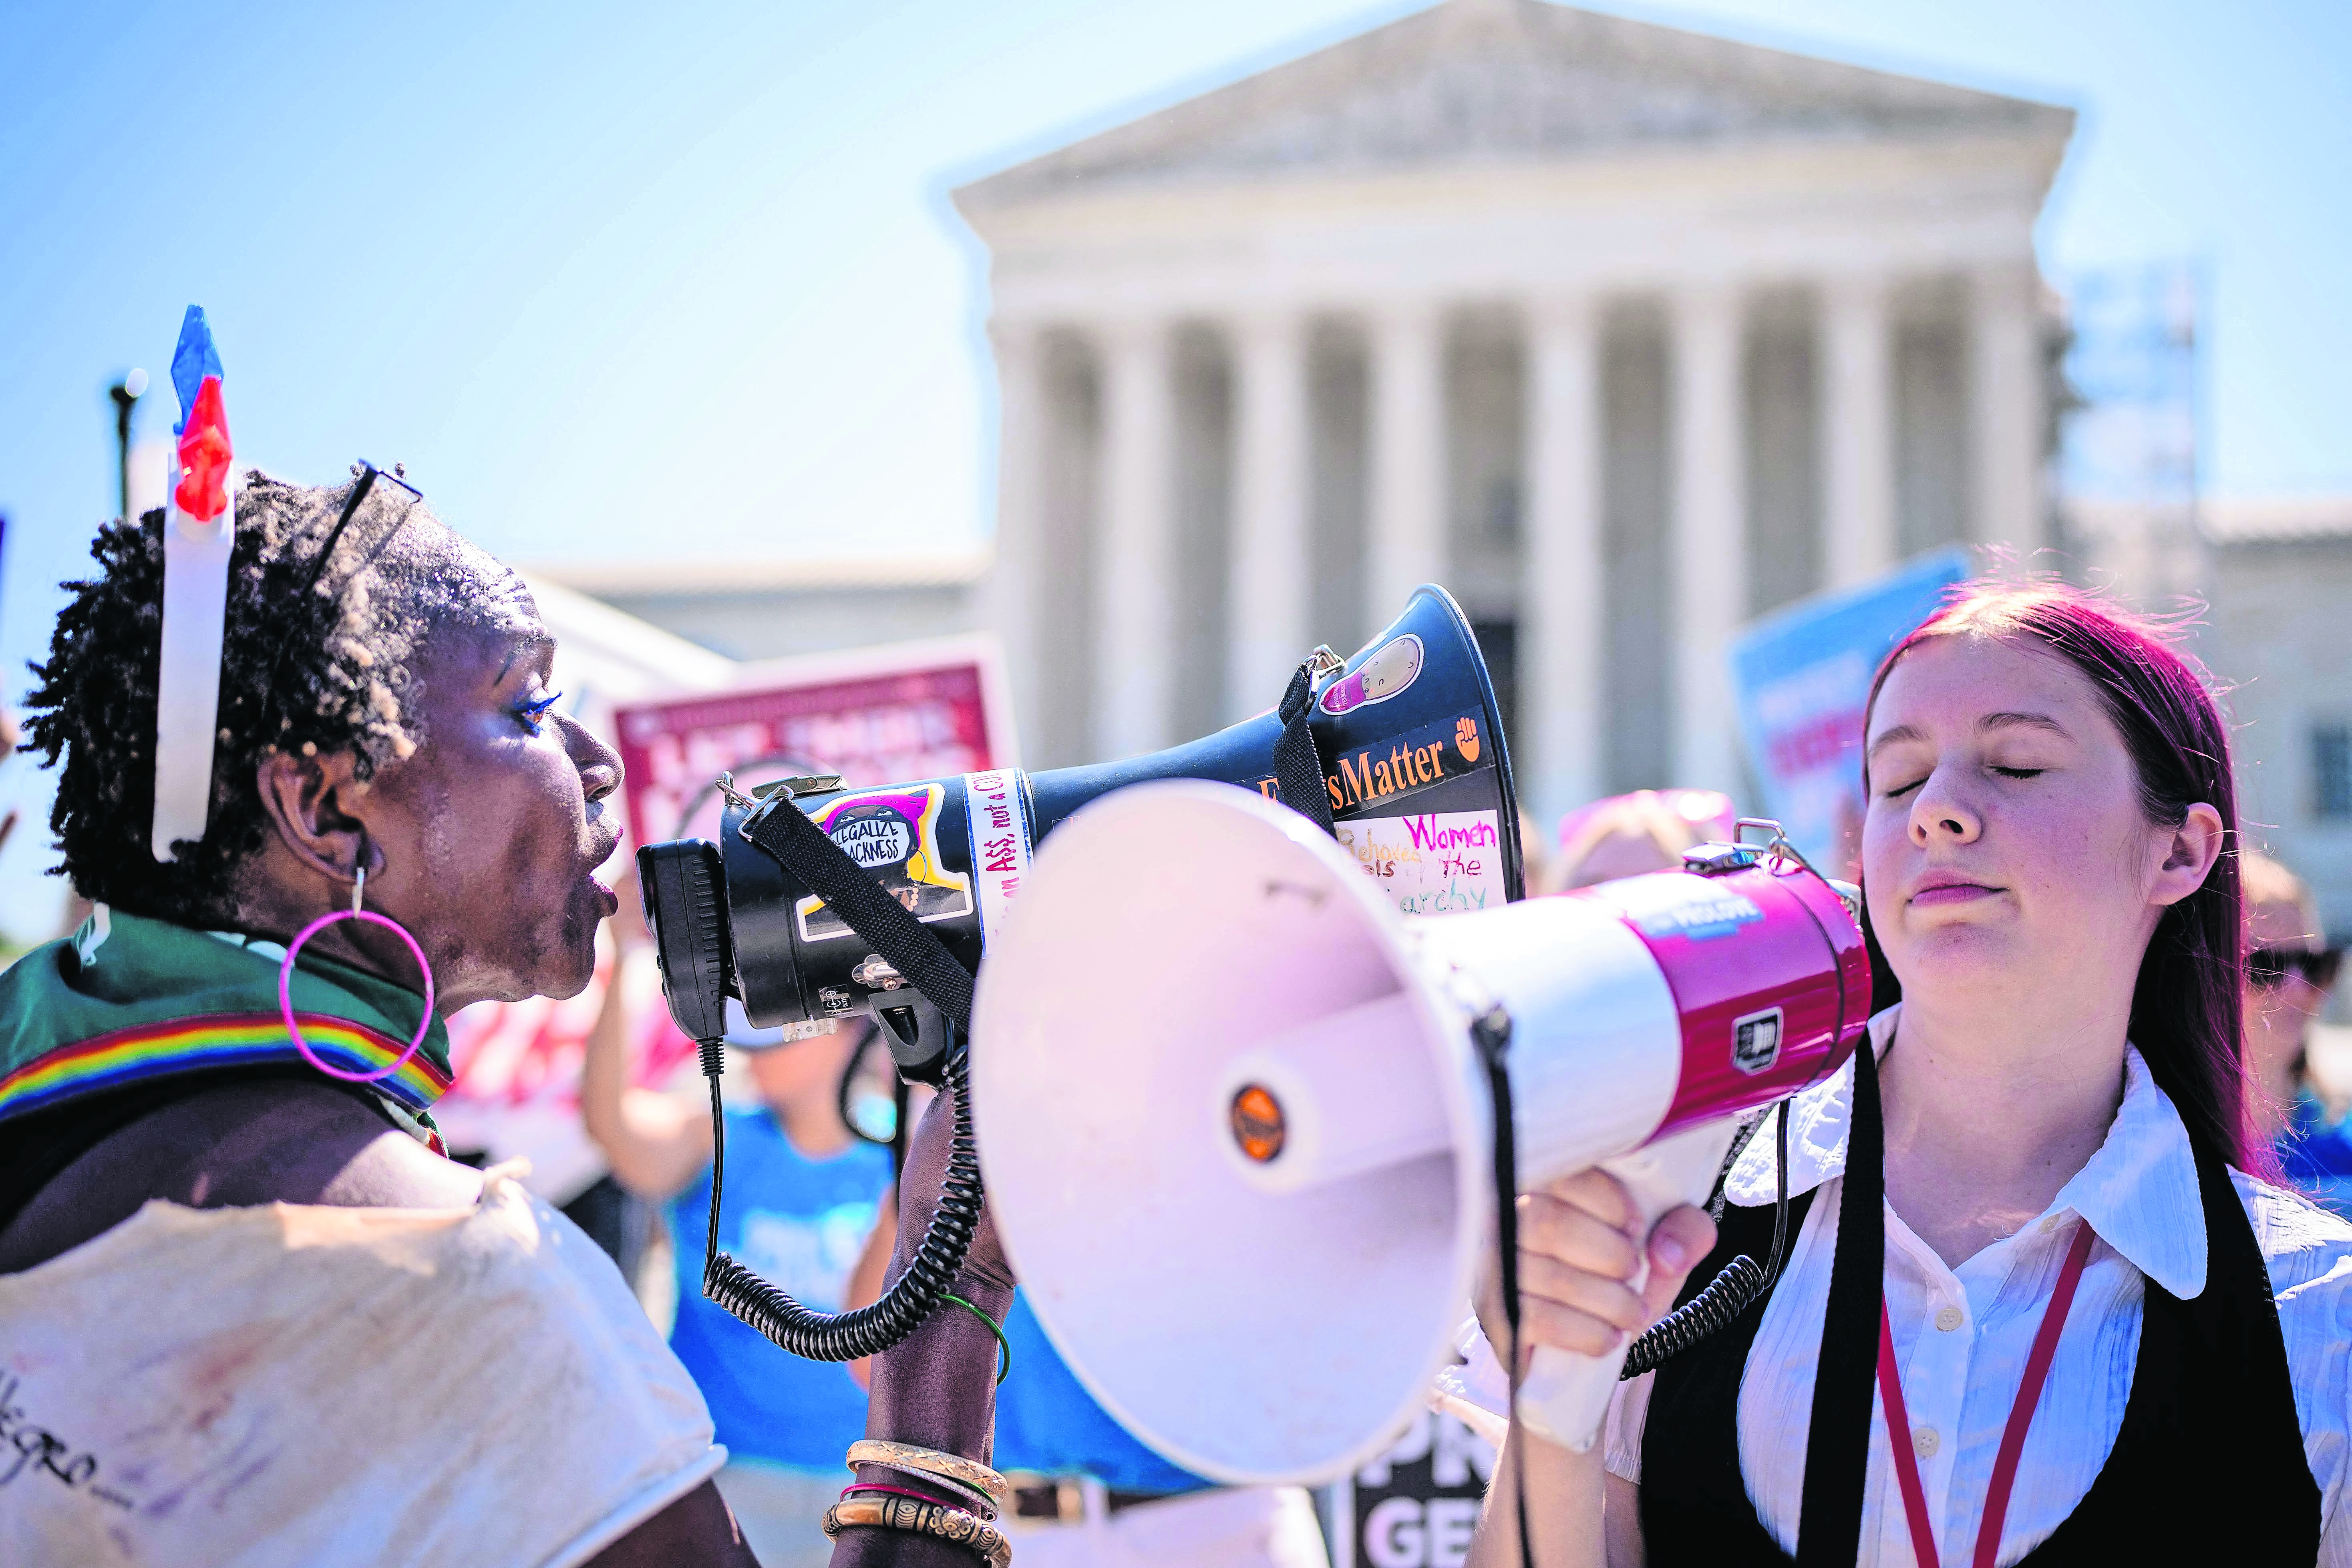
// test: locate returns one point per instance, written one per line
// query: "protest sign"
(1803, 675)
(874, 716)
(1417, 1505)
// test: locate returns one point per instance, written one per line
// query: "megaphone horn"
(1249, 1210)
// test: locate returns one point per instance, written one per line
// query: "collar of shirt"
(2139, 1192)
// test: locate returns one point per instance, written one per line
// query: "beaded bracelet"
(949, 1524)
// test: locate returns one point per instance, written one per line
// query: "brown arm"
(937, 1388)
(697, 1529)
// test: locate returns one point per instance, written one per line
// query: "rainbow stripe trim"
(217, 1040)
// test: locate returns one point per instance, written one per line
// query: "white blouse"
(1962, 1335)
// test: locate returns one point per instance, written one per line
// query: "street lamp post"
(125, 393)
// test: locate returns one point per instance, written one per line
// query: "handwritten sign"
(1430, 862)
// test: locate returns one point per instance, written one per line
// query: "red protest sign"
(876, 716)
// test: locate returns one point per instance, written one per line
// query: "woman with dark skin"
(398, 720)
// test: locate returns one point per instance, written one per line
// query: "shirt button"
(1925, 1442)
(1947, 1319)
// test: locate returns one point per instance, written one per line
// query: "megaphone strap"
(1490, 1036)
(1297, 765)
(1845, 1387)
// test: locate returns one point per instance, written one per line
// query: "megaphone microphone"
(1249, 1205)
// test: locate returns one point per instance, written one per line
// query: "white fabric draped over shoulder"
(281, 1385)
(1963, 1336)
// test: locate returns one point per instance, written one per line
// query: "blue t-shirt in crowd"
(1047, 1421)
(2317, 1155)
(801, 1223)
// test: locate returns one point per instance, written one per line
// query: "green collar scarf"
(127, 999)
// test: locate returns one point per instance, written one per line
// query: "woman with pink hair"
(2040, 1300)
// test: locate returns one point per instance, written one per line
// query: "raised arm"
(656, 1144)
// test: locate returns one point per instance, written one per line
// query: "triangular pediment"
(1485, 80)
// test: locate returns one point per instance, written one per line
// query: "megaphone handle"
(1565, 1396)
(1297, 765)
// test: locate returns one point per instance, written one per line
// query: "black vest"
(2208, 1466)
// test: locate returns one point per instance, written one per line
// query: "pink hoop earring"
(286, 981)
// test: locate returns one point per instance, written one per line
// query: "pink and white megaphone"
(1238, 1140)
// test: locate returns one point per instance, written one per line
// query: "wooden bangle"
(930, 1462)
(949, 1524)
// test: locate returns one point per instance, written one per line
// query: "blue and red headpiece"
(199, 530)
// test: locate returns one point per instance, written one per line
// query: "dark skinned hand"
(937, 1389)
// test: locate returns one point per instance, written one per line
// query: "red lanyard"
(2013, 1438)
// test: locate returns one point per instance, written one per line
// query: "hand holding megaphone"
(924, 1389)
(1594, 1271)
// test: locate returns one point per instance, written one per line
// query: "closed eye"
(1899, 791)
(2021, 773)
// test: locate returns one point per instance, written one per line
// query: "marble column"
(1267, 599)
(1561, 612)
(1709, 548)
(1857, 430)
(1406, 542)
(2005, 411)
(1135, 575)
(1015, 606)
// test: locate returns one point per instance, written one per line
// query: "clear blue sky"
(628, 280)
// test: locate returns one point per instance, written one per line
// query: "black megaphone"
(1415, 772)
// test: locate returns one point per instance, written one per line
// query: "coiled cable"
(1731, 1291)
(863, 1331)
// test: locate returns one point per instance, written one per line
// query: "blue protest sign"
(1803, 675)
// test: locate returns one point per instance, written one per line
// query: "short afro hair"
(323, 671)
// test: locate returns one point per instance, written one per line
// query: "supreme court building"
(1624, 334)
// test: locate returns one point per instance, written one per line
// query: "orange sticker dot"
(1257, 1122)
